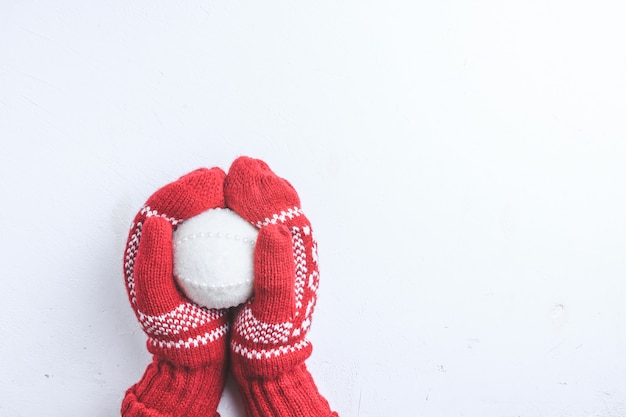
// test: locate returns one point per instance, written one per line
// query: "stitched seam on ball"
(218, 235)
(216, 286)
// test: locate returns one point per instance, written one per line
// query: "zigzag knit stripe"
(183, 318)
(253, 353)
(190, 342)
(280, 217)
(257, 331)
(299, 253)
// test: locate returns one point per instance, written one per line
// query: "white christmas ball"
(214, 258)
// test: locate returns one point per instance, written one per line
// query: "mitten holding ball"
(188, 341)
(268, 341)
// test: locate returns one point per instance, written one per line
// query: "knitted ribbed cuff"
(167, 390)
(292, 394)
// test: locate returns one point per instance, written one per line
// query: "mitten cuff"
(167, 390)
(292, 394)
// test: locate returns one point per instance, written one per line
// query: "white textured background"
(463, 164)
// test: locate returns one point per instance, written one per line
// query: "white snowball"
(214, 258)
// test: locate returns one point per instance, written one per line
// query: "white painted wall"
(463, 163)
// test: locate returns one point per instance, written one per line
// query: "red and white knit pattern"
(258, 331)
(189, 344)
(281, 217)
(258, 339)
(268, 344)
(133, 244)
(186, 325)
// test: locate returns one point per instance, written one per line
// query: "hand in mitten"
(188, 342)
(268, 342)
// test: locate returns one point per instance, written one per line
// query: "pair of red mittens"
(267, 335)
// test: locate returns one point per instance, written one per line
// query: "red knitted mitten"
(268, 341)
(188, 342)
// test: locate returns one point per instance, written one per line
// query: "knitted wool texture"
(268, 341)
(188, 342)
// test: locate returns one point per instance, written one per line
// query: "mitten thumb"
(274, 275)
